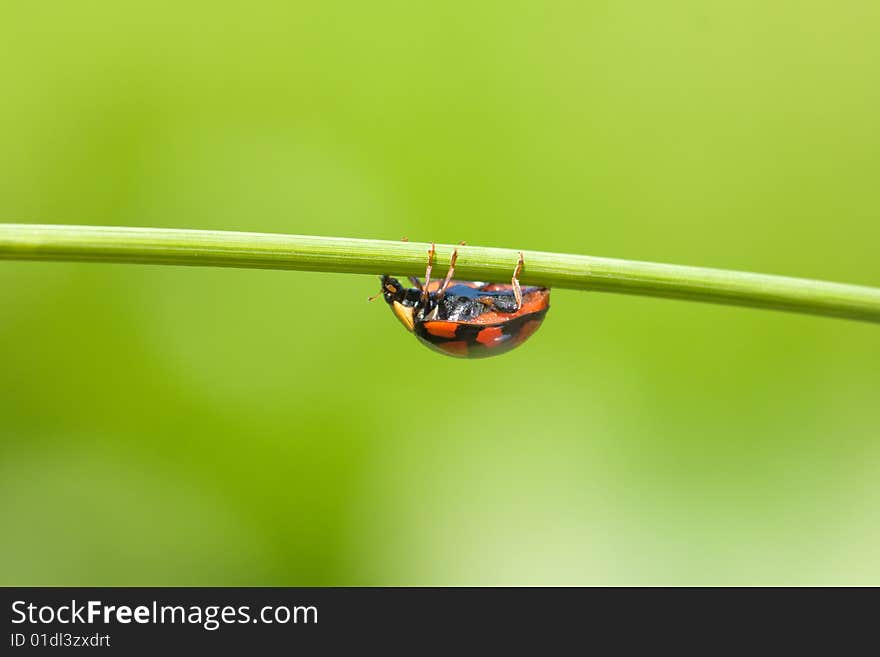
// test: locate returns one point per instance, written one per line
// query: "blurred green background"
(171, 426)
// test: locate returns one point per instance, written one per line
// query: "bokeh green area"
(171, 426)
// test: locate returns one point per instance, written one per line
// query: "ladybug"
(467, 319)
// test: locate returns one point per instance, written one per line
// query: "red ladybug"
(467, 319)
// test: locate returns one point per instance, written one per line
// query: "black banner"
(276, 620)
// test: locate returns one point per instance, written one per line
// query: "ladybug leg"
(449, 274)
(517, 291)
(428, 273)
(451, 271)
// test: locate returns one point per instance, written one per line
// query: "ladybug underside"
(473, 301)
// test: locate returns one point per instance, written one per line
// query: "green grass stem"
(165, 246)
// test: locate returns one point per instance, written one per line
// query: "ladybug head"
(392, 290)
(404, 301)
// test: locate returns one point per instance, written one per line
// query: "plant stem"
(359, 256)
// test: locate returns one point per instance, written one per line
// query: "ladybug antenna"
(375, 296)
